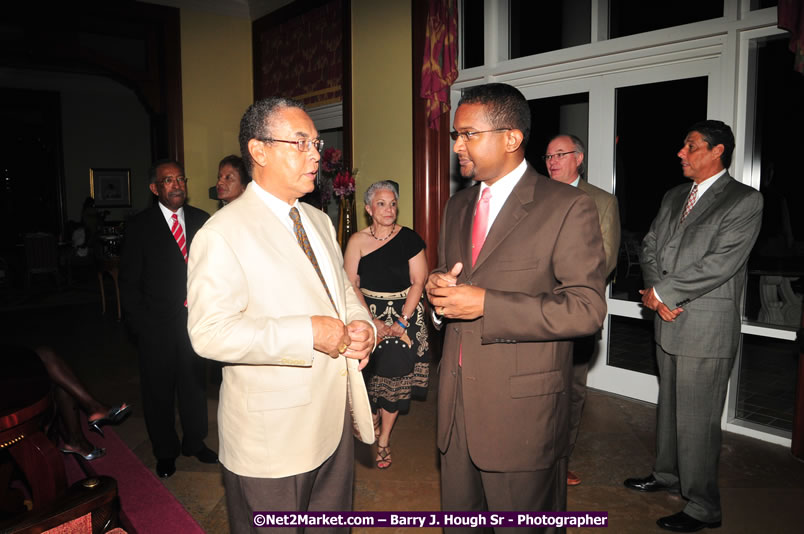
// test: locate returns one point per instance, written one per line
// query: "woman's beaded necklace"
(371, 230)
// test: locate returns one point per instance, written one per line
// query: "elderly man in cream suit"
(268, 296)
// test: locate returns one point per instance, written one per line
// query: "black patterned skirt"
(400, 366)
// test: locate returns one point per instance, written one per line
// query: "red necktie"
(480, 224)
(178, 235)
(690, 202)
(479, 227)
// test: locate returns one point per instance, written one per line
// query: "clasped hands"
(354, 340)
(453, 300)
(650, 301)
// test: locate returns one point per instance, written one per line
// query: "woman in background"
(387, 266)
(232, 178)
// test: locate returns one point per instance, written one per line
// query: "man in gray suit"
(694, 265)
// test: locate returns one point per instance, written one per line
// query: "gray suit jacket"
(700, 266)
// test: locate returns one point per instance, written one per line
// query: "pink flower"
(344, 183)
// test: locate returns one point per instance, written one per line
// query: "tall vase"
(347, 219)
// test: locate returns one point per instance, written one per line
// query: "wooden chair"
(41, 256)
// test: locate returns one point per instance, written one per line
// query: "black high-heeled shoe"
(115, 416)
(97, 452)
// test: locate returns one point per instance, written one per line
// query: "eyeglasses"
(303, 144)
(468, 136)
(558, 155)
(181, 180)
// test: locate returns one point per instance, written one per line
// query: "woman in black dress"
(388, 268)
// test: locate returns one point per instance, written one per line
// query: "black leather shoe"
(206, 456)
(649, 484)
(165, 467)
(682, 522)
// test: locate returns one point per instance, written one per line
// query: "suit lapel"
(321, 229)
(707, 200)
(163, 235)
(512, 212)
(463, 219)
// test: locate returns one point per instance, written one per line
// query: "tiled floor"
(762, 484)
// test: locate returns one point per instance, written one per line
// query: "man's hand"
(330, 335)
(362, 342)
(458, 302)
(438, 280)
(650, 301)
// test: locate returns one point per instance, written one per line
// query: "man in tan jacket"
(564, 159)
(268, 296)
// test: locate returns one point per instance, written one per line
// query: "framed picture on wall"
(111, 188)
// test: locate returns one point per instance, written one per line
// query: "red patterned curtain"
(440, 65)
(300, 54)
(791, 18)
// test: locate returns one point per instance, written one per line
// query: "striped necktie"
(693, 196)
(304, 243)
(178, 235)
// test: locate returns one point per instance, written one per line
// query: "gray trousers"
(692, 392)
(324, 489)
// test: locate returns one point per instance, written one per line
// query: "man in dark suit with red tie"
(153, 287)
(520, 274)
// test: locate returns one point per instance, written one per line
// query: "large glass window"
(766, 389)
(651, 122)
(550, 116)
(629, 17)
(537, 27)
(767, 384)
(472, 35)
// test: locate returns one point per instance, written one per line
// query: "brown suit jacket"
(542, 267)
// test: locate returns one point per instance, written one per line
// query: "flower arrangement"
(337, 179)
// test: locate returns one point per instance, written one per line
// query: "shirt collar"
(503, 187)
(709, 182)
(279, 207)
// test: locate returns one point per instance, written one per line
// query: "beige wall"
(382, 100)
(217, 86)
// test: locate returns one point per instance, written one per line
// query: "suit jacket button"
(664, 272)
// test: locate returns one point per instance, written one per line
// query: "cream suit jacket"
(250, 292)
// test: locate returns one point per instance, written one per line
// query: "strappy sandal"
(377, 425)
(384, 456)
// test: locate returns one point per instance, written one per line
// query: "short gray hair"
(387, 185)
(579, 146)
(257, 122)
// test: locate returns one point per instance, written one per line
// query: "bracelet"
(406, 318)
(403, 325)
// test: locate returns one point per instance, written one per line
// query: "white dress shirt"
(169, 216)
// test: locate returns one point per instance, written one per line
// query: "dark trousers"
(328, 488)
(583, 349)
(692, 392)
(464, 487)
(171, 371)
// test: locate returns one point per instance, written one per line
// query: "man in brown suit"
(509, 310)
(564, 159)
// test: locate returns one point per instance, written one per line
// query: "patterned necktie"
(304, 243)
(480, 224)
(178, 235)
(690, 202)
